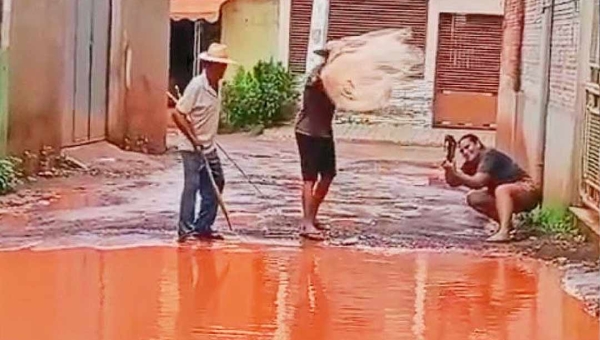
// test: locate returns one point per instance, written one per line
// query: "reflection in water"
(262, 293)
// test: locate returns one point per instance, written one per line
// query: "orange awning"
(196, 9)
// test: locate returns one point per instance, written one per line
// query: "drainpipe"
(545, 66)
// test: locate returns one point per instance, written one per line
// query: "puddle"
(258, 292)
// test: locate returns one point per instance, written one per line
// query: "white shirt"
(200, 103)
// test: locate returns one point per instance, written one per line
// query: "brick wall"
(565, 38)
(562, 114)
(564, 62)
(530, 49)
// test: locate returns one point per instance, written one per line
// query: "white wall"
(285, 7)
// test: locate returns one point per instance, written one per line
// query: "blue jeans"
(196, 181)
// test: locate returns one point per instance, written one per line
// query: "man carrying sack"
(197, 116)
(314, 135)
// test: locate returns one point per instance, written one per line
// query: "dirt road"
(384, 196)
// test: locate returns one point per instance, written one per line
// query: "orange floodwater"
(258, 292)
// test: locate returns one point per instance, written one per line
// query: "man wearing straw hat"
(197, 116)
(314, 136)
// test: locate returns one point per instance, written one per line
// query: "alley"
(383, 194)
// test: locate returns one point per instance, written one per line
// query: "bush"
(550, 221)
(9, 175)
(264, 96)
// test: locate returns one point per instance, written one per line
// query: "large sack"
(361, 70)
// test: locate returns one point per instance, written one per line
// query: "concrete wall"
(138, 74)
(285, 8)
(38, 72)
(41, 70)
(250, 29)
(510, 74)
(3, 101)
(4, 42)
(520, 109)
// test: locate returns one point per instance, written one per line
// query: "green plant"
(9, 174)
(265, 96)
(550, 221)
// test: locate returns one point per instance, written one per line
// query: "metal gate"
(301, 12)
(590, 184)
(467, 70)
(352, 17)
(91, 63)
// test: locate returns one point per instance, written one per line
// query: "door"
(91, 65)
(467, 70)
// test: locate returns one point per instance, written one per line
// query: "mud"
(256, 292)
(383, 196)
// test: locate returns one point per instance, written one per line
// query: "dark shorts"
(317, 157)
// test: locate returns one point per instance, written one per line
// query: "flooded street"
(270, 292)
(94, 257)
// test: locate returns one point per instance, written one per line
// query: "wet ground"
(258, 292)
(385, 196)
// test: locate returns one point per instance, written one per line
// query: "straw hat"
(216, 53)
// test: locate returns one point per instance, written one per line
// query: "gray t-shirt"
(200, 103)
(501, 168)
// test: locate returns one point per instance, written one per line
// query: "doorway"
(92, 31)
(188, 39)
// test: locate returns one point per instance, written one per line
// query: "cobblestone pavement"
(385, 132)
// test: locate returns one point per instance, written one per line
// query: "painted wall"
(4, 42)
(250, 29)
(510, 74)
(38, 73)
(41, 72)
(138, 74)
(3, 101)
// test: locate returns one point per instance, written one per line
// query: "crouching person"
(500, 187)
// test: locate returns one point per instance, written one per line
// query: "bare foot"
(320, 226)
(500, 236)
(492, 227)
(308, 230)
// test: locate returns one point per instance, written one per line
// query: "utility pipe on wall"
(544, 95)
